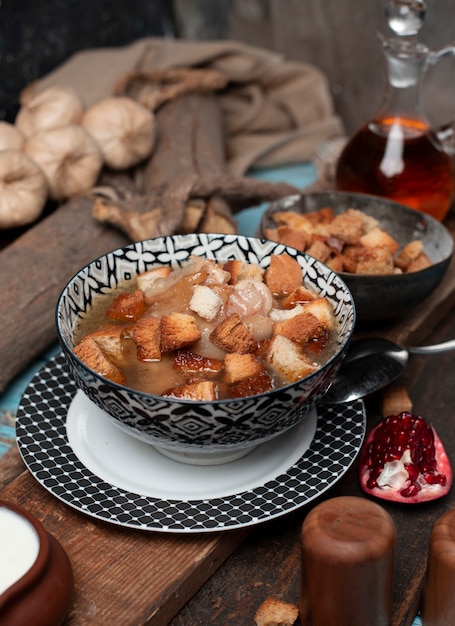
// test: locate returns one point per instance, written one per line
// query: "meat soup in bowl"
(223, 360)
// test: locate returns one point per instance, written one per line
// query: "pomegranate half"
(403, 460)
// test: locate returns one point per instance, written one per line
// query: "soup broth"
(209, 330)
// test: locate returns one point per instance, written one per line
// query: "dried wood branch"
(35, 268)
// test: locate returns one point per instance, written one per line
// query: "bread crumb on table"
(273, 612)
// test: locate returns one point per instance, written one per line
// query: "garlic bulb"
(11, 137)
(69, 157)
(53, 107)
(124, 130)
(23, 189)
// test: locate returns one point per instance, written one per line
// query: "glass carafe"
(397, 154)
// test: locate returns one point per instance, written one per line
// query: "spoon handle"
(439, 347)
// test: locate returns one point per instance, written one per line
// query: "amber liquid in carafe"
(401, 159)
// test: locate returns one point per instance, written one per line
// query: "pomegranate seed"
(396, 435)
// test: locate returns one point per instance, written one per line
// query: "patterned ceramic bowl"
(192, 431)
(382, 297)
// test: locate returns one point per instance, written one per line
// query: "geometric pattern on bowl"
(183, 425)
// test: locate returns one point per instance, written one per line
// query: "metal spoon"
(371, 364)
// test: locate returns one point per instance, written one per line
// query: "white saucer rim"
(101, 447)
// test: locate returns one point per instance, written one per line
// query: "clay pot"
(42, 595)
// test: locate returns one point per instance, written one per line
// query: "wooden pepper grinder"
(438, 599)
(348, 548)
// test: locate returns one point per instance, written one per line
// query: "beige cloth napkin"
(276, 112)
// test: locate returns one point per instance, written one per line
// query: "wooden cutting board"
(124, 576)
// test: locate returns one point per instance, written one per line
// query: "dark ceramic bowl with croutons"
(391, 264)
(205, 345)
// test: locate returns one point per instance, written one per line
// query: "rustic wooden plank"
(34, 270)
(123, 576)
(11, 466)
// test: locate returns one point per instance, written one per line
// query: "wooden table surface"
(268, 562)
(130, 577)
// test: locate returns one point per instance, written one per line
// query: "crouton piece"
(409, 252)
(204, 271)
(241, 270)
(349, 264)
(193, 363)
(297, 221)
(283, 275)
(273, 612)
(323, 310)
(238, 367)
(378, 238)
(298, 296)
(419, 263)
(319, 250)
(92, 355)
(216, 274)
(205, 302)
(302, 328)
(231, 335)
(147, 337)
(287, 361)
(336, 263)
(277, 315)
(326, 215)
(322, 231)
(272, 234)
(127, 306)
(200, 390)
(109, 339)
(348, 226)
(395, 400)
(288, 236)
(146, 279)
(251, 386)
(377, 261)
(354, 251)
(178, 330)
(369, 222)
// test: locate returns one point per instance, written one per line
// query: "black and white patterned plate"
(42, 438)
